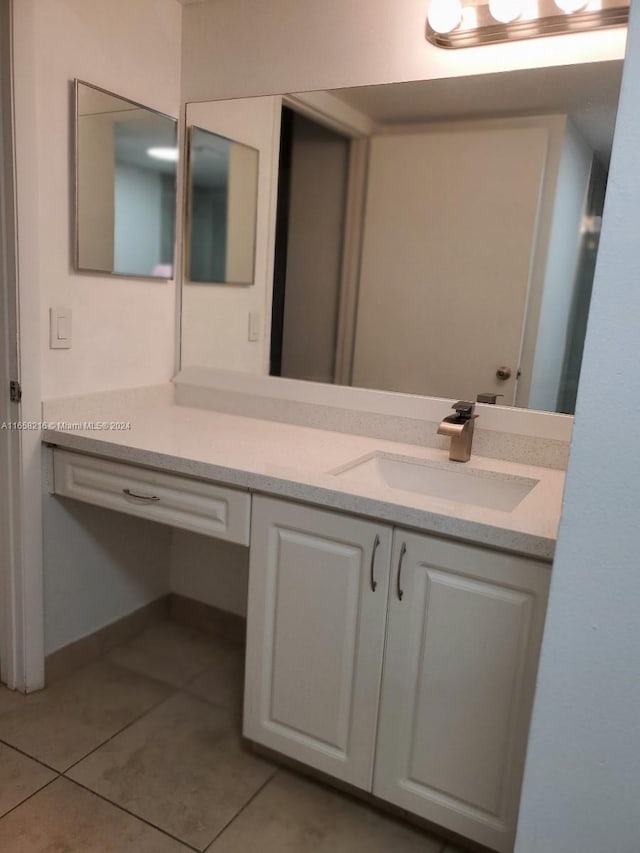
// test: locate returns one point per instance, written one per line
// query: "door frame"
(21, 574)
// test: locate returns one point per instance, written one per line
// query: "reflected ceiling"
(587, 93)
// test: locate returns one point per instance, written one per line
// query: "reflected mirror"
(221, 225)
(126, 158)
(433, 237)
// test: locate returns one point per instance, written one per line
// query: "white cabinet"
(419, 690)
(315, 635)
(459, 673)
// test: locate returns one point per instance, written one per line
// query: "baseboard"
(66, 660)
(206, 617)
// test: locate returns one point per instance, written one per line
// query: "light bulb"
(444, 15)
(506, 11)
(570, 6)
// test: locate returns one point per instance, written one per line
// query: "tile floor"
(140, 752)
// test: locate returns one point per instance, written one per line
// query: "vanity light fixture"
(506, 11)
(571, 6)
(469, 23)
(161, 153)
(444, 15)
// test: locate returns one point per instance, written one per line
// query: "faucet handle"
(464, 408)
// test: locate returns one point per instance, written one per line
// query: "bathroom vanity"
(396, 599)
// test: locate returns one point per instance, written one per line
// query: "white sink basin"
(488, 489)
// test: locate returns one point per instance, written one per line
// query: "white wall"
(217, 315)
(562, 265)
(132, 49)
(583, 766)
(210, 570)
(249, 47)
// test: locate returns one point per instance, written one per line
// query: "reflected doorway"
(312, 191)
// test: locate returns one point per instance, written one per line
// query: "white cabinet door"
(315, 636)
(459, 674)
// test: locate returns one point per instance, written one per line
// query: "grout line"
(28, 755)
(26, 799)
(217, 705)
(209, 847)
(119, 732)
(134, 815)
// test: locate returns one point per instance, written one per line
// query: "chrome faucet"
(460, 429)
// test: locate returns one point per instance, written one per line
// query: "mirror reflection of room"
(434, 237)
(222, 187)
(126, 158)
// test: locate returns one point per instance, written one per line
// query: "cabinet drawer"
(171, 499)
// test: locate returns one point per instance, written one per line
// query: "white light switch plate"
(60, 328)
(254, 325)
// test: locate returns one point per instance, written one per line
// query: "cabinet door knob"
(372, 580)
(399, 589)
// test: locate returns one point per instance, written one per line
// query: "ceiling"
(588, 93)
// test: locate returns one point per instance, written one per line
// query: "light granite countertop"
(296, 462)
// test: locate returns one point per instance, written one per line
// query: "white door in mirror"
(60, 328)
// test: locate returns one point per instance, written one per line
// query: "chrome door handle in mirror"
(503, 373)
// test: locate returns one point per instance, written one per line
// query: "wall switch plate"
(254, 325)
(60, 328)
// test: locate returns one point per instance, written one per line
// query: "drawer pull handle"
(372, 580)
(143, 498)
(399, 589)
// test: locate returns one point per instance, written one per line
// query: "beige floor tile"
(19, 777)
(292, 814)
(182, 767)
(63, 723)
(223, 683)
(168, 651)
(64, 818)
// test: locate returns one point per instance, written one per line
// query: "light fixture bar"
(550, 20)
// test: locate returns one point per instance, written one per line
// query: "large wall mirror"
(222, 181)
(433, 237)
(126, 158)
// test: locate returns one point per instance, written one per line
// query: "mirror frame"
(75, 195)
(188, 196)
